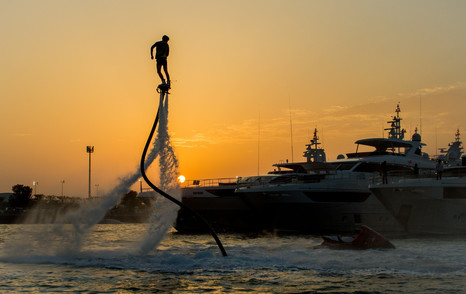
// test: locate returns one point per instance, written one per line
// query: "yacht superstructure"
(334, 196)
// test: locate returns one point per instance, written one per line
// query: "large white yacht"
(430, 205)
(319, 196)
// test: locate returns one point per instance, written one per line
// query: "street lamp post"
(90, 150)
(140, 186)
(62, 183)
(35, 183)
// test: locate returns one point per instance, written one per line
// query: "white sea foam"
(265, 264)
(186, 253)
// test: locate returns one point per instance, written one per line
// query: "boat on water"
(324, 197)
(366, 239)
(433, 204)
(215, 200)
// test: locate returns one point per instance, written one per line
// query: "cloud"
(434, 90)
(196, 140)
(347, 120)
(335, 108)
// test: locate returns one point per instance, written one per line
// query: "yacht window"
(459, 171)
(311, 178)
(398, 167)
(404, 150)
(368, 167)
(281, 180)
(346, 165)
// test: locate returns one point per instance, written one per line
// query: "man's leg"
(159, 67)
(166, 73)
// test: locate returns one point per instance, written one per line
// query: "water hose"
(164, 92)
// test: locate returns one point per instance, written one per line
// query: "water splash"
(63, 239)
(165, 215)
(161, 222)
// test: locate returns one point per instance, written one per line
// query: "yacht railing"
(306, 179)
(422, 178)
(209, 182)
(260, 181)
(371, 178)
(401, 175)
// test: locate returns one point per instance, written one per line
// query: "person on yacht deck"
(439, 169)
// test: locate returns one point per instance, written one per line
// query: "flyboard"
(162, 89)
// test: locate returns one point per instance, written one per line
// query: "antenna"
(323, 140)
(291, 131)
(258, 142)
(420, 116)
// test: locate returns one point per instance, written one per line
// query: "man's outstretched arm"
(152, 51)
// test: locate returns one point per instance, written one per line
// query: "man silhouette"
(161, 57)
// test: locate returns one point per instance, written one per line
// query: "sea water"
(109, 262)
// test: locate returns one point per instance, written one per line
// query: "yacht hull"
(297, 212)
(284, 211)
(426, 206)
(220, 207)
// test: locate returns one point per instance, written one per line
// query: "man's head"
(165, 38)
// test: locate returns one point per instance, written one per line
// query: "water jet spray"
(163, 90)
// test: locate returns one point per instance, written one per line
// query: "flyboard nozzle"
(163, 88)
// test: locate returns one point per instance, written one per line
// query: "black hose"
(166, 195)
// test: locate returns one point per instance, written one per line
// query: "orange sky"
(77, 73)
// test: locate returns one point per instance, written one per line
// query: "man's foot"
(163, 87)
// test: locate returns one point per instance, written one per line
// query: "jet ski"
(366, 239)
